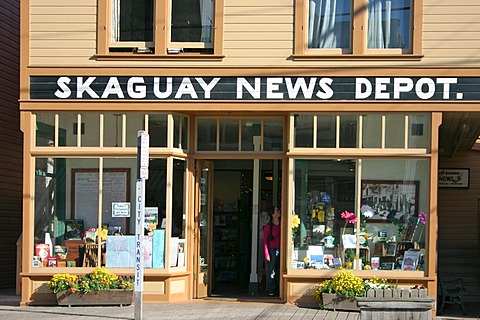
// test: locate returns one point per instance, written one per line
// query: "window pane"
(372, 131)
(180, 132)
(329, 24)
(323, 190)
(303, 134)
(135, 122)
(68, 125)
(395, 131)
(250, 128)
(395, 201)
(193, 24)
(207, 134)
(326, 131)
(45, 129)
(389, 24)
(272, 135)
(112, 129)
(229, 135)
(348, 131)
(132, 20)
(178, 209)
(157, 129)
(419, 131)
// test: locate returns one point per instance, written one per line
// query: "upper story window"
(160, 28)
(131, 24)
(358, 29)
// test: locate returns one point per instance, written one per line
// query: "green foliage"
(347, 285)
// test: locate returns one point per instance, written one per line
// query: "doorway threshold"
(255, 298)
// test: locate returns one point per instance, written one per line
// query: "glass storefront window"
(207, 134)
(326, 131)
(180, 131)
(45, 129)
(68, 123)
(157, 129)
(323, 190)
(250, 128)
(378, 131)
(272, 135)
(303, 131)
(385, 220)
(67, 218)
(395, 131)
(348, 131)
(372, 131)
(228, 139)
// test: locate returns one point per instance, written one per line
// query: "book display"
(225, 238)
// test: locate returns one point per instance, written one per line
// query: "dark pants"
(273, 271)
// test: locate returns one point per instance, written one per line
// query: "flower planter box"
(334, 302)
(97, 298)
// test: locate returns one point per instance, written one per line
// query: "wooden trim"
(162, 31)
(323, 71)
(432, 217)
(103, 26)
(218, 29)
(417, 31)
(27, 126)
(276, 107)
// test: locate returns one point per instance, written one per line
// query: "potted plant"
(340, 291)
(99, 287)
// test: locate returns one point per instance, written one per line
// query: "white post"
(142, 175)
(253, 286)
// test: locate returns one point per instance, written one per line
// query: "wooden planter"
(333, 302)
(95, 298)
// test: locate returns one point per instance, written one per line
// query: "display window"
(84, 205)
(360, 214)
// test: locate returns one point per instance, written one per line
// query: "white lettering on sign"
(266, 88)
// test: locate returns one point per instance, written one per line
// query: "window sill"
(157, 57)
(358, 57)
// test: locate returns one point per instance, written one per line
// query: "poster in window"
(85, 195)
(390, 200)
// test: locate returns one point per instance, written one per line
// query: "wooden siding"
(10, 142)
(256, 33)
(458, 225)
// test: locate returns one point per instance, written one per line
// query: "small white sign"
(120, 209)
(453, 178)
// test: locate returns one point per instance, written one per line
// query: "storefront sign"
(453, 178)
(254, 88)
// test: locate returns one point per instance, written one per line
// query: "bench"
(400, 304)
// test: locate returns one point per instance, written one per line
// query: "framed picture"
(390, 199)
(391, 249)
(453, 178)
(85, 195)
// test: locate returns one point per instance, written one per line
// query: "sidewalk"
(197, 309)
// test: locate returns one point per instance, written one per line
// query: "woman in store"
(271, 246)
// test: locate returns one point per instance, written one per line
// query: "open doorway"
(243, 192)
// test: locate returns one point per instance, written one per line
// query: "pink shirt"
(275, 242)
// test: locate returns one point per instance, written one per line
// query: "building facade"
(331, 111)
(11, 143)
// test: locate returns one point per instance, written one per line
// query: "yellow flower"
(295, 221)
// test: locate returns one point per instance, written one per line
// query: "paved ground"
(211, 309)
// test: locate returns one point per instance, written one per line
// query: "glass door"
(203, 238)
